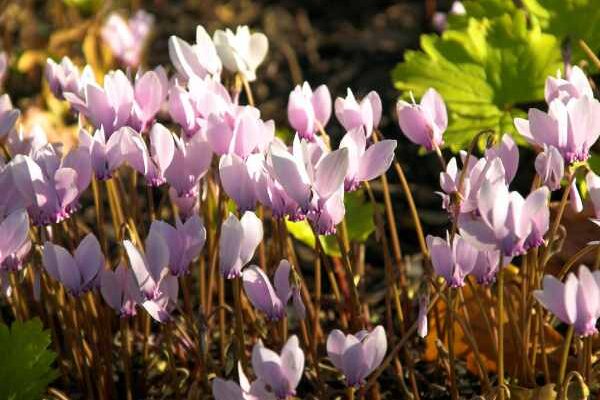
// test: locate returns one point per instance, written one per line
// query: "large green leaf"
(359, 222)
(26, 363)
(484, 69)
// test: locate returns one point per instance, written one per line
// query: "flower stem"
(501, 327)
(239, 322)
(564, 358)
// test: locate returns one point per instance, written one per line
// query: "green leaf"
(359, 222)
(484, 69)
(26, 366)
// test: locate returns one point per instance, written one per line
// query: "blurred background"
(344, 44)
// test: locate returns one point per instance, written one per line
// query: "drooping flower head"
(241, 51)
(353, 114)
(127, 39)
(425, 123)
(575, 302)
(309, 111)
(357, 356)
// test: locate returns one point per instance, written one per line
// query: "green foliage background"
(25, 361)
(490, 64)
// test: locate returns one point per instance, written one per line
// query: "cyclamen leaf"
(26, 367)
(483, 69)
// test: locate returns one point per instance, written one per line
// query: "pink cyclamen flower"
(191, 105)
(14, 240)
(550, 166)
(308, 111)
(575, 302)
(8, 115)
(575, 86)
(188, 205)
(185, 242)
(425, 123)
(78, 272)
(106, 156)
(239, 178)
(149, 93)
(357, 356)
(453, 261)
(272, 195)
(191, 160)
(593, 185)
(66, 78)
(50, 188)
(120, 290)
(487, 266)
(352, 114)
(162, 150)
(314, 178)
(507, 221)
(499, 164)
(239, 239)
(107, 107)
(272, 300)
(572, 127)
(230, 390)
(241, 132)
(280, 372)
(198, 60)
(158, 286)
(365, 163)
(127, 39)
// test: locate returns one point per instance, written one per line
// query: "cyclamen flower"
(313, 178)
(241, 52)
(198, 60)
(593, 185)
(572, 127)
(574, 198)
(107, 107)
(239, 239)
(8, 115)
(158, 287)
(229, 390)
(185, 242)
(272, 301)
(79, 272)
(272, 195)
(452, 260)
(120, 290)
(66, 78)
(106, 156)
(550, 166)
(478, 171)
(357, 356)
(507, 221)
(365, 163)
(187, 205)
(191, 160)
(308, 111)
(239, 179)
(14, 240)
(487, 266)
(158, 159)
(352, 114)
(190, 107)
(425, 123)
(575, 302)
(149, 93)
(127, 39)
(575, 86)
(241, 133)
(50, 188)
(279, 372)
(26, 142)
